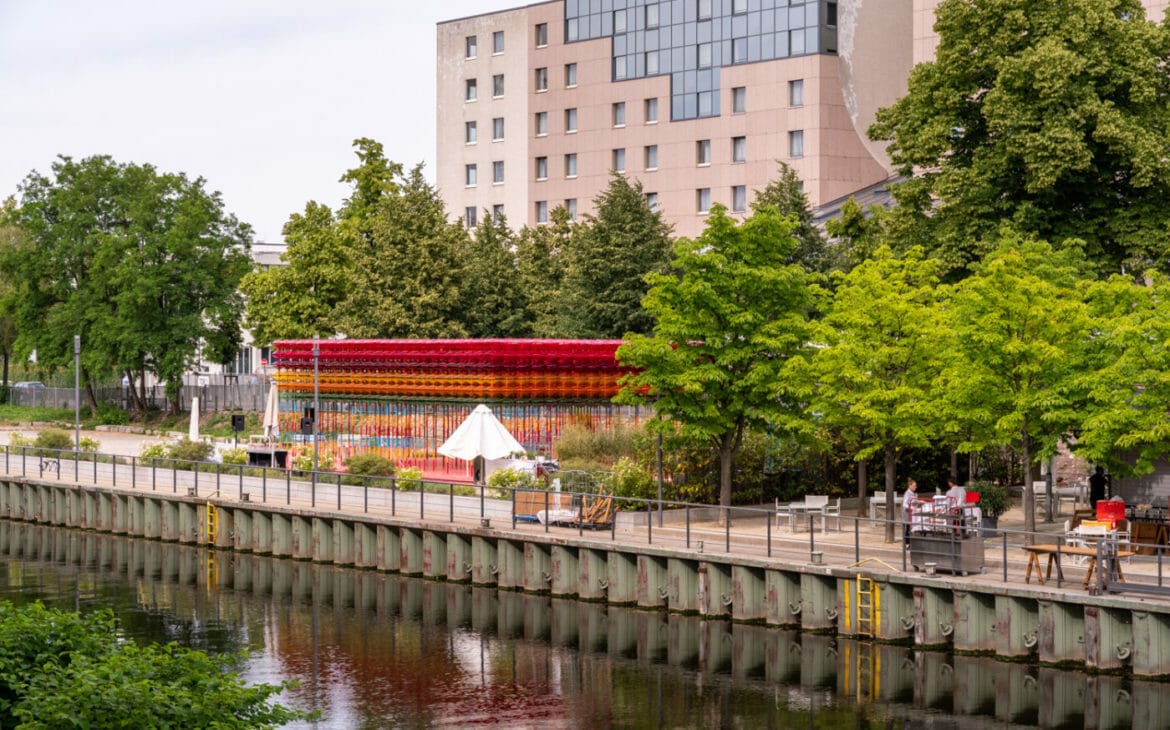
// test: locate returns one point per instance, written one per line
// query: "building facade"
(697, 99)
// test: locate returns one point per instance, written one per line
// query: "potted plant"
(994, 500)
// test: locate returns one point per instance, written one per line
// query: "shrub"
(110, 414)
(188, 450)
(303, 462)
(507, 480)
(994, 500)
(89, 444)
(53, 438)
(234, 455)
(370, 465)
(409, 478)
(629, 479)
(18, 440)
(154, 451)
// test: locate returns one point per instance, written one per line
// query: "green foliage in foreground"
(65, 670)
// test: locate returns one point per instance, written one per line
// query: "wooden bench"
(1054, 551)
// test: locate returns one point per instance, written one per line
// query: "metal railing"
(740, 531)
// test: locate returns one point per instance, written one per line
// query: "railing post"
(768, 522)
(24, 457)
(481, 500)
(451, 500)
(856, 540)
(241, 494)
(288, 486)
(393, 496)
(76, 464)
(513, 509)
(812, 535)
(264, 485)
(95, 460)
(365, 497)
(113, 467)
(1003, 534)
(338, 491)
(727, 530)
(546, 520)
(580, 515)
(687, 510)
(175, 477)
(153, 475)
(313, 491)
(1159, 549)
(649, 523)
(218, 488)
(134, 472)
(195, 469)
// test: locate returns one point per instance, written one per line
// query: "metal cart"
(950, 539)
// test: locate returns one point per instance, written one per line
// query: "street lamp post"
(316, 399)
(77, 392)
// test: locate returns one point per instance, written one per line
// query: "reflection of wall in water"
(426, 643)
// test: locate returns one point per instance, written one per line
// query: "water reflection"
(377, 650)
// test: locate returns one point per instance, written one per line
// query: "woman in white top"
(907, 500)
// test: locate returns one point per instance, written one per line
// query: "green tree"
(540, 254)
(1054, 116)
(10, 238)
(785, 193)
(63, 670)
(1125, 377)
(856, 233)
(608, 258)
(494, 304)
(877, 358)
(1019, 328)
(408, 276)
(729, 315)
(145, 266)
(300, 299)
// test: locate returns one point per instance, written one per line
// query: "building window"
(796, 92)
(571, 164)
(571, 120)
(497, 129)
(619, 21)
(469, 176)
(497, 172)
(570, 75)
(541, 124)
(651, 62)
(470, 91)
(498, 85)
(796, 143)
(651, 157)
(498, 41)
(571, 208)
(704, 9)
(619, 114)
(469, 216)
(706, 102)
(703, 200)
(652, 201)
(652, 15)
(619, 159)
(739, 198)
(739, 149)
(469, 46)
(739, 100)
(651, 107)
(704, 54)
(739, 51)
(619, 67)
(542, 211)
(703, 152)
(572, 30)
(541, 35)
(498, 211)
(738, 7)
(541, 168)
(542, 79)
(470, 134)
(831, 14)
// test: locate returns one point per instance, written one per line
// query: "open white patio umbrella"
(480, 434)
(271, 413)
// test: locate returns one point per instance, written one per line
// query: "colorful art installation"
(403, 398)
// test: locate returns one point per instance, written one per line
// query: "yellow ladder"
(867, 606)
(212, 523)
(211, 573)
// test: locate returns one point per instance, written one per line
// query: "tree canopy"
(728, 315)
(144, 265)
(1051, 116)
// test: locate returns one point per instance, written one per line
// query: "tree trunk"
(954, 464)
(725, 453)
(4, 380)
(893, 511)
(90, 395)
(1029, 497)
(862, 483)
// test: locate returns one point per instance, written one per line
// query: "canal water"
(372, 650)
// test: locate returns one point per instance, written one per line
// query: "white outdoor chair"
(832, 510)
(878, 502)
(1039, 493)
(782, 511)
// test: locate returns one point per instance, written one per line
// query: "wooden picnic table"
(1054, 551)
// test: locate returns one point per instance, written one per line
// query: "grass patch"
(11, 414)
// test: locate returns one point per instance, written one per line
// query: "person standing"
(956, 493)
(907, 501)
(1097, 484)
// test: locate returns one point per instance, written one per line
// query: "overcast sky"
(262, 98)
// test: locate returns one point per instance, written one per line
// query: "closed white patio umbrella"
(480, 434)
(271, 414)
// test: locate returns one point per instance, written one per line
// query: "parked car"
(35, 384)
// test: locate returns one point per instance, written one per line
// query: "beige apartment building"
(697, 99)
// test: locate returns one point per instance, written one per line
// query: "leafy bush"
(303, 462)
(17, 440)
(589, 448)
(630, 479)
(154, 451)
(235, 455)
(409, 478)
(89, 444)
(53, 439)
(64, 670)
(188, 450)
(110, 414)
(370, 465)
(507, 480)
(994, 499)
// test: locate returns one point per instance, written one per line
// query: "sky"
(261, 98)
